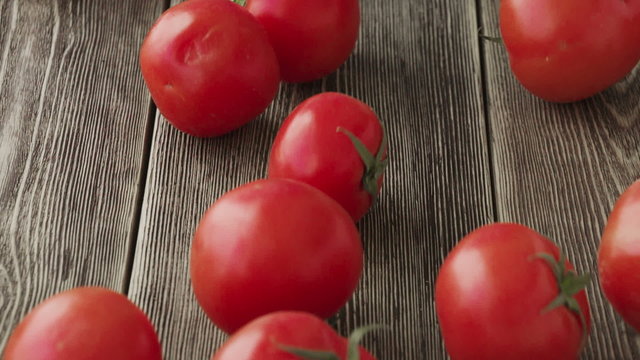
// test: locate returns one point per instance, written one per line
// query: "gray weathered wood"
(417, 64)
(73, 111)
(560, 168)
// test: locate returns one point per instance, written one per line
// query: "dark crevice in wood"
(485, 110)
(142, 183)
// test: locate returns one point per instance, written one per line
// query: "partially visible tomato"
(209, 66)
(495, 294)
(311, 38)
(274, 245)
(269, 336)
(314, 146)
(572, 49)
(619, 256)
(86, 323)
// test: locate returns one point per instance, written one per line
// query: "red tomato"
(209, 66)
(274, 245)
(312, 147)
(619, 256)
(569, 50)
(86, 323)
(493, 296)
(263, 338)
(311, 38)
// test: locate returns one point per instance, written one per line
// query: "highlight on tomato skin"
(311, 39)
(619, 256)
(274, 335)
(335, 143)
(565, 51)
(209, 67)
(505, 292)
(84, 323)
(272, 245)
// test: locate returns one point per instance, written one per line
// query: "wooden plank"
(417, 64)
(73, 112)
(560, 168)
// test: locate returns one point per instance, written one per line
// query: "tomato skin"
(274, 245)
(619, 256)
(85, 323)
(209, 67)
(309, 148)
(490, 294)
(259, 339)
(565, 51)
(311, 38)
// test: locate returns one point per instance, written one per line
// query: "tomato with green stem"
(505, 292)
(619, 256)
(569, 50)
(335, 143)
(291, 335)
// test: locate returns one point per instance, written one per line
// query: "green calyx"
(569, 284)
(373, 165)
(240, 2)
(353, 352)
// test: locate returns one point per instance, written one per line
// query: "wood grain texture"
(73, 110)
(560, 168)
(417, 64)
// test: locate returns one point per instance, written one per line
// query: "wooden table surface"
(96, 188)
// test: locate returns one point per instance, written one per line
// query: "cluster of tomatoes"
(289, 242)
(212, 66)
(505, 291)
(264, 256)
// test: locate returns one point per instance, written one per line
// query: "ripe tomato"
(311, 38)
(314, 146)
(274, 245)
(569, 50)
(498, 298)
(619, 256)
(267, 337)
(209, 66)
(86, 323)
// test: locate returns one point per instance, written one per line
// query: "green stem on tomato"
(240, 2)
(353, 351)
(374, 166)
(569, 284)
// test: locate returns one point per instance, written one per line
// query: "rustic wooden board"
(560, 168)
(73, 111)
(417, 64)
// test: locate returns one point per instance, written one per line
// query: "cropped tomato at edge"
(619, 256)
(209, 66)
(311, 38)
(261, 339)
(569, 50)
(85, 323)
